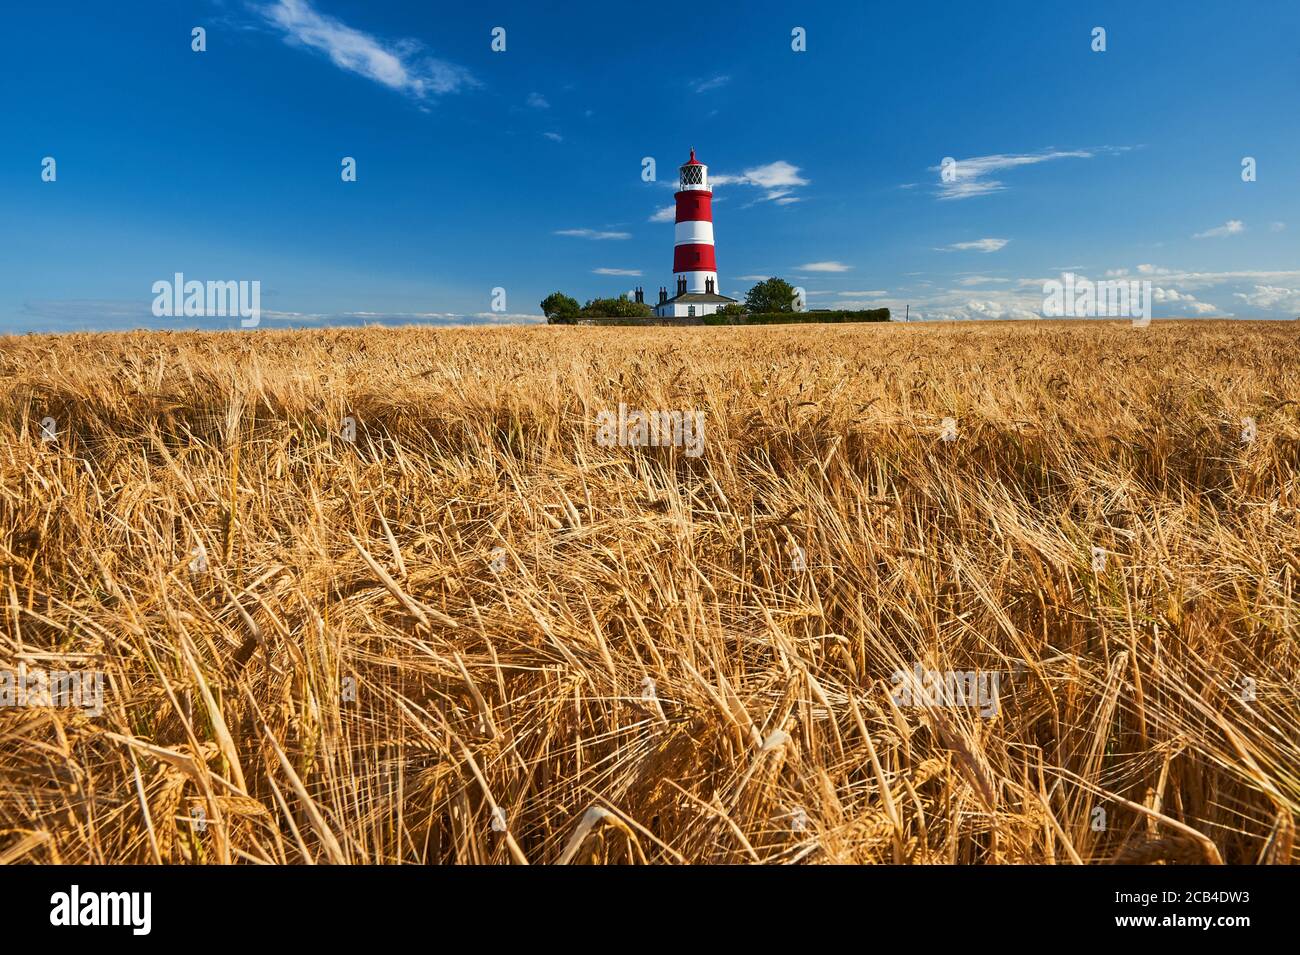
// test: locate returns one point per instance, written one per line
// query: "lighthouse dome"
(694, 174)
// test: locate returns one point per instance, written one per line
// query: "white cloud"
(752, 278)
(554, 137)
(975, 176)
(980, 280)
(823, 267)
(616, 271)
(290, 316)
(1174, 293)
(979, 245)
(1200, 280)
(1184, 301)
(388, 314)
(538, 101)
(1231, 227)
(777, 179)
(399, 65)
(665, 214)
(593, 234)
(1270, 298)
(703, 86)
(1277, 227)
(1022, 298)
(981, 310)
(772, 176)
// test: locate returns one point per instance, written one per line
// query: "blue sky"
(522, 169)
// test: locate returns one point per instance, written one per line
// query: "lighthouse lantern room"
(694, 265)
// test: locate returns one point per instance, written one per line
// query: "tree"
(771, 295)
(732, 308)
(621, 307)
(559, 308)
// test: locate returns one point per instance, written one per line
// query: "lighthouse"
(695, 268)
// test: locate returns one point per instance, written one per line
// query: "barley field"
(379, 596)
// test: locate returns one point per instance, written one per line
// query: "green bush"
(560, 309)
(621, 307)
(771, 295)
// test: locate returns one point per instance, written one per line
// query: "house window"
(690, 311)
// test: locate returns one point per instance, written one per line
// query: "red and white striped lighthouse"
(694, 264)
(693, 258)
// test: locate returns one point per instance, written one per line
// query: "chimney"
(663, 294)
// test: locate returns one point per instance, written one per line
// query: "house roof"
(709, 297)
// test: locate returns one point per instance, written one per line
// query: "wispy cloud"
(665, 214)
(593, 234)
(554, 137)
(975, 176)
(400, 65)
(713, 83)
(1231, 227)
(538, 101)
(1190, 279)
(616, 271)
(779, 179)
(823, 267)
(979, 245)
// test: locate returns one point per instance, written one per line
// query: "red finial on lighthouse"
(693, 161)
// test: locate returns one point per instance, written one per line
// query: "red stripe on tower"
(697, 257)
(694, 207)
